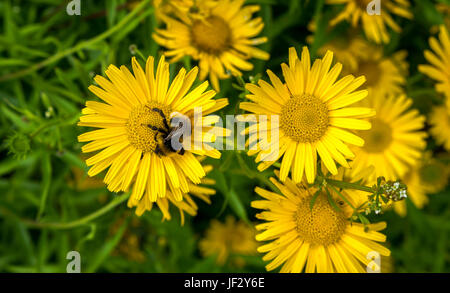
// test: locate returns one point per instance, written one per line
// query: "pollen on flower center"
(323, 225)
(304, 118)
(212, 35)
(378, 138)
(371, 70)
(140, 121)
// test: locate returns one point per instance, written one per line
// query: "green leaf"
(46, 181)
(6, 62)
(132, 25)
(104, 251)
(237, 206)
(73, 160)
(111, 8)
(15, 119)
(332, 202)
(363, 219)
(313, 199)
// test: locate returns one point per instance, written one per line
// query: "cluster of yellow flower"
(324, 115)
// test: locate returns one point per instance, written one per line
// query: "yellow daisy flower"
(395, 141)
(222, 41)
(374, 26)
(439, 120)
(321, 239)
(439, 59)
(230, 238)
(135, 126)
(313, 116)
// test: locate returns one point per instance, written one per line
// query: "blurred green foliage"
(47, 61)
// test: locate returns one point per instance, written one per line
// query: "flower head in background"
(396, 140)
(135, 124)
(444, 9)
(439, 59)
(222, 41)
(433, 174)
(375, 26)
(439, 119)
(384, 74)
(321, 239)
(232, 238)
(314, 115)
(180, 8)
(347, 51)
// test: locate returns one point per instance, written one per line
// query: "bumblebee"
(167, 134)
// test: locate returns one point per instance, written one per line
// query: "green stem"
(348, 185)
(73, 224)
(25, 112)
(79, 46)
(44, 126)
(343, 198)
(252, 174)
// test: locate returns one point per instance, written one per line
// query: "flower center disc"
(304, 118)
(139, 124)
(378, 138)
(322, 225)
(211, 35)
(371, 70)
